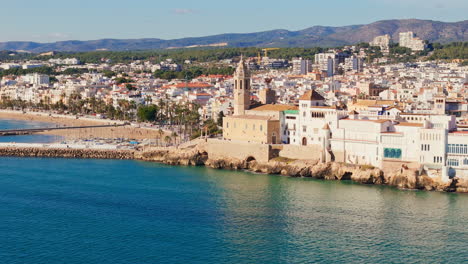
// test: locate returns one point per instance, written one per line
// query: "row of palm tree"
(76, 105)
(182, 119)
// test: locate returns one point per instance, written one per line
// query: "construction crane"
(265, 51)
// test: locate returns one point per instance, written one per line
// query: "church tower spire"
(241, 88)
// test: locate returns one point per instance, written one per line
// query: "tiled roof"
(410, 124)
(311, 95)
(275, 107)
(253, 117)
(374, 102)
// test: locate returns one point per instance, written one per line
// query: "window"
(453, 162)
(457, 148)
(392, 153)
(261, 127)
(227, 124)
(425, 147)
(304, 129)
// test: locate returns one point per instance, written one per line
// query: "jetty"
(27, 131)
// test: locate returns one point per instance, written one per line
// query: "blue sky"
(55, 20)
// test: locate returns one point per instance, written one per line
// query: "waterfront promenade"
(96, 127)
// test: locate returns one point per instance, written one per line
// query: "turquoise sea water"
(101, 211)
(106, 211)
(34, 138)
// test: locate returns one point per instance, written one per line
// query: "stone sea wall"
(402, 178)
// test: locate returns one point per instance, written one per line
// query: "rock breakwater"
(67, 153)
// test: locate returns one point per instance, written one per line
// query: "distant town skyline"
(54, 20)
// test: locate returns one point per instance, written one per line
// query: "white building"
(408, 40)
(36, 79)
(327, 62)
(66, 61)
(383, 42)
(301, 66)
(430, 142)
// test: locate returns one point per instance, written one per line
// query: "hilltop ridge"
(324, 36)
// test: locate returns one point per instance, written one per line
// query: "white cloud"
(57, 35)
(183, 11)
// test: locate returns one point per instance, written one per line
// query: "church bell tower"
(241, 88)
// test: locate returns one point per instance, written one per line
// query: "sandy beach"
(129, 132)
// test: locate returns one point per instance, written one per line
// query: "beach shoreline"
(128, 132)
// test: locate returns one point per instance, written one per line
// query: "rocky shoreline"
(402, 179)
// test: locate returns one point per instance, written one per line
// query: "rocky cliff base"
(402, 179)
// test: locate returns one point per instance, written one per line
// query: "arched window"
(304, 141)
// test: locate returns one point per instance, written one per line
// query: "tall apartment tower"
(383, 42)
(408, 40)
(241, 88)
(301, 66)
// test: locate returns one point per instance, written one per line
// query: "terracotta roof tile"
(311, 95)
(275, 107)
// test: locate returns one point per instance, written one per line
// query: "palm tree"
(174, 135)
(167, 139)
(161, 133)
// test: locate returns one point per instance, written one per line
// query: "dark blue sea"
(56, 211)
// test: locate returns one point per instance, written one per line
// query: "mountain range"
(323, 36)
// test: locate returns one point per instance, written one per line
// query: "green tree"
(147, 113)
(220, 118)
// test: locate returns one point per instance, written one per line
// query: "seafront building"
(366, 132)
(341, 109)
